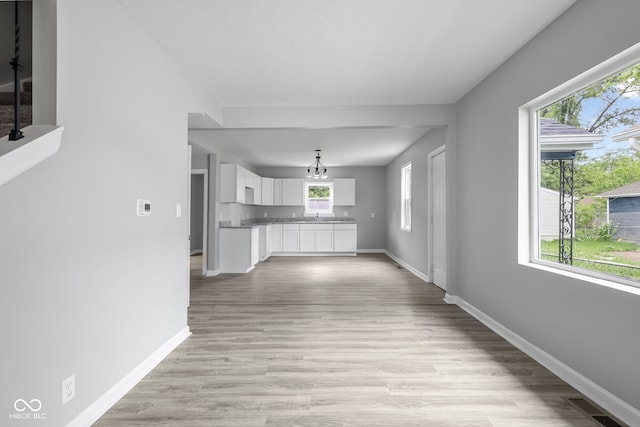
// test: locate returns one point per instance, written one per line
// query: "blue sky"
(590, 109)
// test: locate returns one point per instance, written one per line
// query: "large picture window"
(585, 175)
(405, 191)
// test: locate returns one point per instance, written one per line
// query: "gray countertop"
(250, 223)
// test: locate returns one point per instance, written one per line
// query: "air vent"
(596, 413)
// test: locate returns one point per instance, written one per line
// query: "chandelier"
(317, 170)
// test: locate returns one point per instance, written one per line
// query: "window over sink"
(318, 199)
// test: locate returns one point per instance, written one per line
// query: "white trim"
(122, 387)
(371, 251)
(409, 267)
(313, 254)
(450, 299)
(211, 273)
(608, 401)
(237, 269)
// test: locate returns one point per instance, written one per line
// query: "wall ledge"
(39, 143)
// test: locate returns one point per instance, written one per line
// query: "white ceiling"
(248, 53)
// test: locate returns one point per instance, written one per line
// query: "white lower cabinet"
(276, 238)
(316, 237)
(291, 238)
(345, 238)
(239, 249)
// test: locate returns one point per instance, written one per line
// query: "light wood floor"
(340, 341)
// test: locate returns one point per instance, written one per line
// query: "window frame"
(529, 174)
(314, 212)
(403, 197)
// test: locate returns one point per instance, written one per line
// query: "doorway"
(199, 200)
(438, 217)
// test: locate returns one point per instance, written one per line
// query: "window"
(318, 199)
(584, 179)
(405, 191)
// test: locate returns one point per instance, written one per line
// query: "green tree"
(610, 91)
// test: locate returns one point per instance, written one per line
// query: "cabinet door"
(307, 240)
(276, 237)
(345, 238)
(232, 183)
(267, 191)
(344, 192)
(292, 192)
(324, 240)
(290, 241)
(277, 191)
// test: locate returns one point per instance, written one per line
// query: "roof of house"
(558, 137)
(551, 127)
(629, 190)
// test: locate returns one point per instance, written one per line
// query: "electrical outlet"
(345, 213)
(373, 215)
(68, 389)
(265, 214)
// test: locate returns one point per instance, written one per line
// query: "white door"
(439, 219)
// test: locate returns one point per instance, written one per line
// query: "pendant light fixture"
(317, 170)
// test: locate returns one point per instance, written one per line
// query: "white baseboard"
(107, 400)
(416, 272)
(325, 254)
(212, 273)
(616, 406)
(450, 299)
(236, 269)
(372, 251)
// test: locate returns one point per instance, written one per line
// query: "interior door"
(439, 212)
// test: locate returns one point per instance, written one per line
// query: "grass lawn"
(600, 250)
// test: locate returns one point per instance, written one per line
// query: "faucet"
(317, 217)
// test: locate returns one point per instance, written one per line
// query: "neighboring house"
(549, 202)
(623, 210)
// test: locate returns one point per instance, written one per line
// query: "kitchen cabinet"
(276, 238)
(232, 183)
(316, 237)
(292, 192)
(267, 191)
(344, 192)
(277, 191)
(265, 242)
(291, 237)
(345, 238)
(238, 185)
(239, 249)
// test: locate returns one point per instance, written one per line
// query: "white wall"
(87, 287)
(370, 198)
(590, 328)
(412, 247)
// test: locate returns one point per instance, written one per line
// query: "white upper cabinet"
(277, 191)
(267, 191)
(344, 192)
(292, 192)
(232, 183)
(238, 185)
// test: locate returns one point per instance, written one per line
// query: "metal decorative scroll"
(566, 215)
